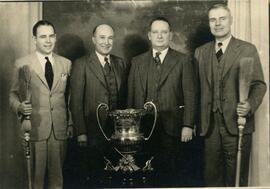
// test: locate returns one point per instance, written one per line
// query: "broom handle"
(245, 76)
(241, 122)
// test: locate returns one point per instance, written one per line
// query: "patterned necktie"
(157, 59)
(49, 72)
(107, 66)
(219, 52)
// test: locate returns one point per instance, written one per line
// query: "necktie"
(107, 66)
(157, 59)
(219, 52)
(48, 72)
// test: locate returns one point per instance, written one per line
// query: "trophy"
(127, 137)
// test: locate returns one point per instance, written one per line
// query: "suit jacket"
(236, 52)
(49, 107)
(89, 89)
(176, 89)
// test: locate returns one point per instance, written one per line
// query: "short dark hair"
(220, 5)
(95, 28)
(41, 23)
(160, 18)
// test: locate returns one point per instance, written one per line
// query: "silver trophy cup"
(127, 138)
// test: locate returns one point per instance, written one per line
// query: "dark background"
(75, 21)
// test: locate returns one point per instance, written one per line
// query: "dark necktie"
(48, 72)
(219, 52)
(157, 59)
(107, 66)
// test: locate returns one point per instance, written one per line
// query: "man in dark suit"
(166, 77)
(46, 105)
(95, 78)
(218, 68)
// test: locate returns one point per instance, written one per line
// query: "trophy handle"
(146, 107)
(97, 114)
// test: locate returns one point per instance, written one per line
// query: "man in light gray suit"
(48, 77)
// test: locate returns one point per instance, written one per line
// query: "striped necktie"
(157, 59)
(107, 66)
(219, 52)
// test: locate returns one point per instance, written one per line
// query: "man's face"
(220, 22)
(103, 39)
(45, 39)
(160, 35)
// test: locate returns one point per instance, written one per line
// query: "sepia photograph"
(134, 94)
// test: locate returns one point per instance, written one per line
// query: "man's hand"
(70, 131)
(186, 135)
(25, 108)
(82, 140)
(243, 108)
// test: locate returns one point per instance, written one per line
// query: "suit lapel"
(168, 63)
(230, 54)
(144, 69)
(56, 71)
(207, 61)
(117, 71)
(35, 64)
(96, 68)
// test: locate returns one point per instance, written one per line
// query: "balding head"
(102, 27)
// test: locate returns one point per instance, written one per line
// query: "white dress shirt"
(224, 44)
(101, 59)
(42, 60)
(162, 55)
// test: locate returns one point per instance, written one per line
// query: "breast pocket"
(63, 82)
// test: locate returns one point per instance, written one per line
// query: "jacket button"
(51, 109)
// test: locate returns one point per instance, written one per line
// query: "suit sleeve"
(77, 87)
(196, 62)
(258, 86)
(190, 92)
(14, 99)
(197, 82)
(67, 95)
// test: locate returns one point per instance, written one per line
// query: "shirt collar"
(225, 44)
(101, 58)
(41, 57)
(162, 53)
(42, 60)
